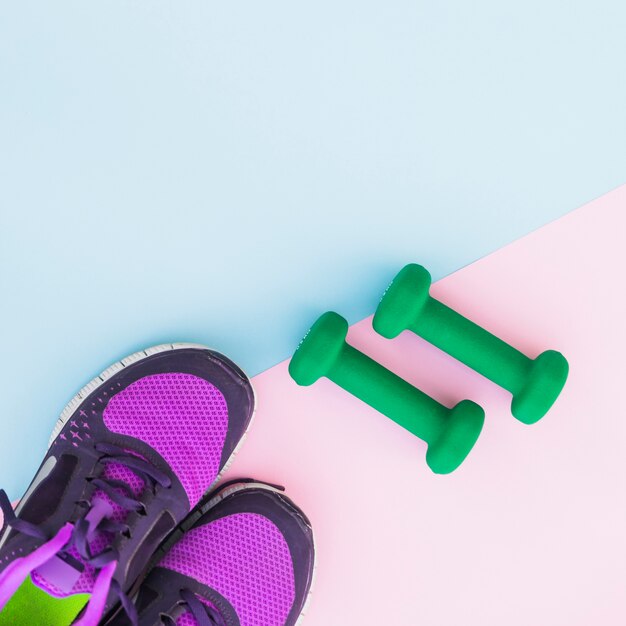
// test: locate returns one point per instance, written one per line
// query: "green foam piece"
(31, 606)
(449, 433)
(408, 305)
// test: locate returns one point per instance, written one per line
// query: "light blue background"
(223, 172)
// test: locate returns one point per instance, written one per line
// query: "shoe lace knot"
(94, 519)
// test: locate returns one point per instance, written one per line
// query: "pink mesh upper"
(183, 417)
(246, 559)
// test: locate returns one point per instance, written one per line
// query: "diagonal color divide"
(530, 529)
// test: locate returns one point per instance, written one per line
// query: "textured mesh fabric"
(183, 417)
(116, 471)
(186, 619)
(246, 559)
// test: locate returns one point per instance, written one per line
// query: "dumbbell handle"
(472, 345)
(388, 393)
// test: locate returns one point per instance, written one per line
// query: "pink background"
(531, 528)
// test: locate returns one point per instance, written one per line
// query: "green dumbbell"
(534, 383)
(450, 433)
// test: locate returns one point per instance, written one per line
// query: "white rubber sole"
(110, 371)
(242, 487)
(104, 376)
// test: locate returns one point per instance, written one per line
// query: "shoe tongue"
(69, 574)
(59, 575)
(62, 572)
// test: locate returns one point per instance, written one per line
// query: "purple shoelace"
(203, 614)
(120, 493)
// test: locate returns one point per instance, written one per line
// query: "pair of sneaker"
(123, 522)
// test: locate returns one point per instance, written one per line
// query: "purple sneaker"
(131, 455)
(245, 558)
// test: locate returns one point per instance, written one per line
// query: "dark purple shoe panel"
(160, 593)
(74, 458)
(165, 507)
(163, 401)
(293, 525)
(201, 383)
(254, 548)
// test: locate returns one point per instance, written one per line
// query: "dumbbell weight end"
(534, 383)
(450, 433)
(546, 378)
(464, 424)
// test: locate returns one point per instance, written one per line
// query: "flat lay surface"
(223, 174)
(530, 529)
